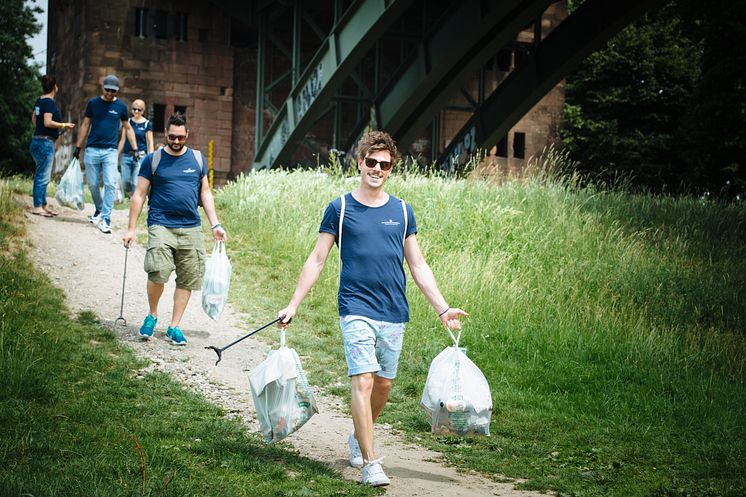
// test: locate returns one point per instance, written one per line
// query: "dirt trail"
(88, 264)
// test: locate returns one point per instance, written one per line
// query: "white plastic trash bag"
(217, 281)
(70, 189)
(456, 397)
(119, 194)
(282, 396)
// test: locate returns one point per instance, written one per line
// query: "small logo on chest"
(190, 170)
(391, 222)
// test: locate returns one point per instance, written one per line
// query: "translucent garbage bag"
(282, 396)
(217, 281)
(70, 189)
(456, 397)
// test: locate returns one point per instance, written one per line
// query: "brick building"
(194, 57)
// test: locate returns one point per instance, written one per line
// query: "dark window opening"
(519, 145)
(159, 117)
(222, 91)
(76, 25)
(521, 54)
(141, 22)
(160, 24)
(502, 147)
(203, 35)
(181, 109)
(504, 58)
(180, 26)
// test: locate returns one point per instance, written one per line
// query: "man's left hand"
(451, 318)
(219, 234)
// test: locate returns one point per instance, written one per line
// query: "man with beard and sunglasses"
(175, 178)
(376, 233)
(104, 117)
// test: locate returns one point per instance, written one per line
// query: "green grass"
(76, 418)
(610, 325)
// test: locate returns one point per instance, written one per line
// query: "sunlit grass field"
(610, 325)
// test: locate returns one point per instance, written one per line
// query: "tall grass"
(609, 325)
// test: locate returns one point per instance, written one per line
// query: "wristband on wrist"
(446, 310)
(218, 225)
(63, 125)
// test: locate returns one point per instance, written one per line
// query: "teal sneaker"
(175, 336)
(146, 330)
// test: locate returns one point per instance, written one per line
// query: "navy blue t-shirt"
(140, 130)
(372, 283)
(46, 106)
(174, 190)
(106, 118)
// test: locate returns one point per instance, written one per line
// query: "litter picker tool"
(219, 350)
(124, 278)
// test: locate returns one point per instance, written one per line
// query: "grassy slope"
(77, 419)
(610, 326)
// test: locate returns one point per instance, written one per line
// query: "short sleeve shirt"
(46, 106)
(174, 190)
(106, 120)
(140, 130)
(372, 282)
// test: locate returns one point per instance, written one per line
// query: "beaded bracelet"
(216, 226)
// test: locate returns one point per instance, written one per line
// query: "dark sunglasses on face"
(177, 138)
(109, 90)
(135, 109)
(371, 163)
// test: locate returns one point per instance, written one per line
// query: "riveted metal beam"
(583, 32)
(351, 37)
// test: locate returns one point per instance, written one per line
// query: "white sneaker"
(104, 226)
(373, 474)
(356, 457)
(94, 219)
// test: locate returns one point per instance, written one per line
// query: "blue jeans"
(130, 170)
(102, 162)
(42, 150)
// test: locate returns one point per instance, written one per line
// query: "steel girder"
(474, 32)
(583, 32)
(350, 38)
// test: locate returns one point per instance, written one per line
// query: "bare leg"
(362, 418)
(155, 290)
(181, 299)
(380, 395)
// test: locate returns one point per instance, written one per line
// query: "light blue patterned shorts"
(371, 346)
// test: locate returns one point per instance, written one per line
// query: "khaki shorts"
(180, 249)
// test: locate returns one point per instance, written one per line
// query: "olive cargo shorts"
(180, 249)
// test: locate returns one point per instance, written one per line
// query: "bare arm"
(149, 141)
(136, 203)
(208, 204)
(130, 134)
(83, 134)
(120, 145)
(308, 275)
(425, 280)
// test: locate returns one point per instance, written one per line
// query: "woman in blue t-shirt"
(48, 123)
(144, 137)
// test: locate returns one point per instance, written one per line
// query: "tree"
(19, 83)
(625, 104)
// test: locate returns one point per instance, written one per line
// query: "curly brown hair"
(375, 141)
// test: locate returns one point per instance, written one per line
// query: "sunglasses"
(135, 109)
(109, 90)
(371, 163)
(177, 138)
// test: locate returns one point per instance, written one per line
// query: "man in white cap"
(104, 117)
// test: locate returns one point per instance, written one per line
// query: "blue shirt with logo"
(373, 282)
(174, 190)
(140, 130)
(46, 106)
(106, 119)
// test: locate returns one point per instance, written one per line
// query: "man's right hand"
(129, 238)
(287, 315)
(76, 152)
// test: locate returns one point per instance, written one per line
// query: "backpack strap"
(155, 160)
(339, 237)
(406, 221)
(198, 157)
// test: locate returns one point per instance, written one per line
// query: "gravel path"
(88, 264)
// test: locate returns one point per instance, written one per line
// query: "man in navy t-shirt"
(104, 117)
(376, 233)
(174, 228)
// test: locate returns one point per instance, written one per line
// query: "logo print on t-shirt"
(190, 170)
(391, 222)
(112, 111)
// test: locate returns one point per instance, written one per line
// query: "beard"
(176, 146)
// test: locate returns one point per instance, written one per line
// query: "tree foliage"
(663, 104)
(19, 83)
